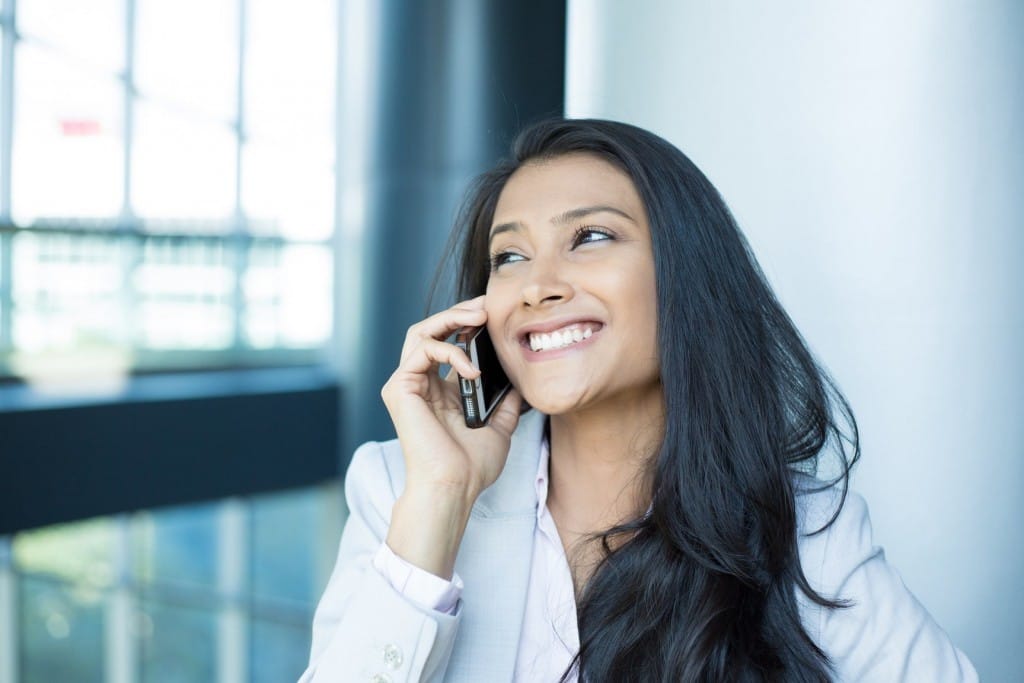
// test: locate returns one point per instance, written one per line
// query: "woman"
(654, 515)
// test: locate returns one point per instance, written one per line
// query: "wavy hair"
(705, 587)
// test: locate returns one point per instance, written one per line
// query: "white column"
(8, 614)
(232, 662)
(121, 612)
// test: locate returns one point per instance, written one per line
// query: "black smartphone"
(481, 396)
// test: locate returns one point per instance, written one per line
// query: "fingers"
(441, 325)
(414, 377)
(431, 352)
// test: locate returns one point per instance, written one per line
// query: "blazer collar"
(514, 492)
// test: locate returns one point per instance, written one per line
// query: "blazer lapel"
(494, 563)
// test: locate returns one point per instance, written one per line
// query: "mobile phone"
(481, 396)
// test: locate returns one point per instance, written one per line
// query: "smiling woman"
(643, 505)
(566, 257)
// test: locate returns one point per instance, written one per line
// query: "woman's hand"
(447, 464)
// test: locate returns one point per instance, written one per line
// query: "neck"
(599, 460)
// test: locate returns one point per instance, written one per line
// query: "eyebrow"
(562, 218)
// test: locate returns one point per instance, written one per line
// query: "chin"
(552, 404)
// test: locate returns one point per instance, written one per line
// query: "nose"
(545, 285)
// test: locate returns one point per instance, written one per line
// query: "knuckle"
(423, 347)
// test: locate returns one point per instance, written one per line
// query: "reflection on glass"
(184, 295)
(279, 651)
(60, 632)
(68, 146)
(262, 288)
(82, 302)
(5, 296)
(284, 543)
(182, 647)
(288, 189)
(67, 577)
(2, 178)
(288, 296)
(183, 168)
(92, 31)
(67, 292)
(178, 545)
(80, 552)
(69, 320)
(187, 54)
(290, 69)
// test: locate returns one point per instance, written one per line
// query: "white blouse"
(550, 637)
(887, 634)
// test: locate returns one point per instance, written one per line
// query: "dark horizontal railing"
(167, 440)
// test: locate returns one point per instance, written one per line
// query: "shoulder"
(374, 479)
(833, 537)
(833, 534)
(883, 632)
(377, 468)
(827, 513)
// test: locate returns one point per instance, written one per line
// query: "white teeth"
(559, 339)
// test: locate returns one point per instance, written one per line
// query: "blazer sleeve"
(884, 634)
(363, 629)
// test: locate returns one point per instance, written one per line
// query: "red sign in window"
(79, 127)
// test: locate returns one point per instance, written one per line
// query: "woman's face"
(571, 301)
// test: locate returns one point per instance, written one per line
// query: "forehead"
(542, 189)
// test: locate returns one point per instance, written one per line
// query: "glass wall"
(167, 201)
(167, 192)
(215, 592)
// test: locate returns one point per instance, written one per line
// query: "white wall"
(873, 153)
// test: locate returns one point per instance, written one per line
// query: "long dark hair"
(703, 588)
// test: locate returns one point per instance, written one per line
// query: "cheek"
(499, 307)
(638, 297)
(633, 285)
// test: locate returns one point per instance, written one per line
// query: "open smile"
(562, 337)
(547, 344)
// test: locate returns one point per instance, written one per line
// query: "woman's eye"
(503, 257)
(584, 235)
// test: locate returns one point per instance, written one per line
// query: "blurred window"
(167, 186)
(167, 201)
(183, 593)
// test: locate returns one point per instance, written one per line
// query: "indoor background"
(218, 217)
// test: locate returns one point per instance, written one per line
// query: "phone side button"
(467, 387)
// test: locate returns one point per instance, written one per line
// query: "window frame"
(234, 234)
(185, 425)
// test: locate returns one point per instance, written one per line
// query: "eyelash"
(590, 229)
(499, 259)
